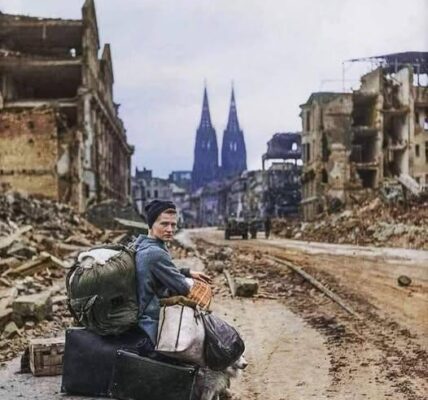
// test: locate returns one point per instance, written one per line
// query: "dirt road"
(303, 346)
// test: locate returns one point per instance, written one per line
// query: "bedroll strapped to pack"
(101, 288)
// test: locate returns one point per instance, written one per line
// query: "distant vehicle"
(236, 227)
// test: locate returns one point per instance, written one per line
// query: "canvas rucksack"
(102, 295)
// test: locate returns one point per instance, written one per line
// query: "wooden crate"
(46, 356)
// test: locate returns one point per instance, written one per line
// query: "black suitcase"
(140, 378)
(89, 359)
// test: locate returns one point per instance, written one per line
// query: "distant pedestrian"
(268, 227)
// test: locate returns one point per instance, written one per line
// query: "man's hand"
(200, 276)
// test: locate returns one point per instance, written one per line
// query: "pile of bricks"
(374, 223)
(39, 240)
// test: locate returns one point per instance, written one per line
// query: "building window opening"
(416, 118)
(364, 150)
(325, 149)
(368, 178)
(324, 176)
(417, 150)
(308, 152)
(426, 152)
(86, 190)
(156, 194)
(363, 113)
(308, 121)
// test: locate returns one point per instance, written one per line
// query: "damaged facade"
(60, 133)
(146, 187)
(353, 142)
(283, 187)
(274, 192)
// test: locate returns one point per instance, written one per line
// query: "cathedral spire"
(205, 116)
(205, 165)
(233, 152)
(232, 122)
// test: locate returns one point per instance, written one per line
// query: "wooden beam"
(317, 284)
(230, 282)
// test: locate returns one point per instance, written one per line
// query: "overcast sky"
(276, 51)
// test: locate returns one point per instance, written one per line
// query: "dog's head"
(239, 365)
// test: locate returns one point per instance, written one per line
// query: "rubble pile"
(39, 240)
(374, 223)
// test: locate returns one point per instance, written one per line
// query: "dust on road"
(379, 357)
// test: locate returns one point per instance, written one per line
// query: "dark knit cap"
(156, 208)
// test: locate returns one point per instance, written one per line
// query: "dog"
(213, 385)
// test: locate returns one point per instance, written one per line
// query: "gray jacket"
(157, 277)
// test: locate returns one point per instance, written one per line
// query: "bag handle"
(179, 327)
(161, 327)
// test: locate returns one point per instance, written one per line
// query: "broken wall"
(420, 145)
(367, 133)
(399, 123)
(29, 150)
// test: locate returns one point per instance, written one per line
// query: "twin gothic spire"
(233, 153)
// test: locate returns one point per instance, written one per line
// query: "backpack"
(102, 292)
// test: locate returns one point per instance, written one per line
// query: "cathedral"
(206, 167)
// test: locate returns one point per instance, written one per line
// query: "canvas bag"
(181, 334)
(101, 288)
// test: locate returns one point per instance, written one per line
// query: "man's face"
(164, 227)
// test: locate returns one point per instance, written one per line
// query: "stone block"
(10, 330)
(217, 266)
(34, 306)
(245, 287)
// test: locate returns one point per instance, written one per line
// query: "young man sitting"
(157, 275)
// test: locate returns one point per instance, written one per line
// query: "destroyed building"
(182, 179)
(282, 193)
(60, 133)
(146, 187)
(354, 142)
(284, 146)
